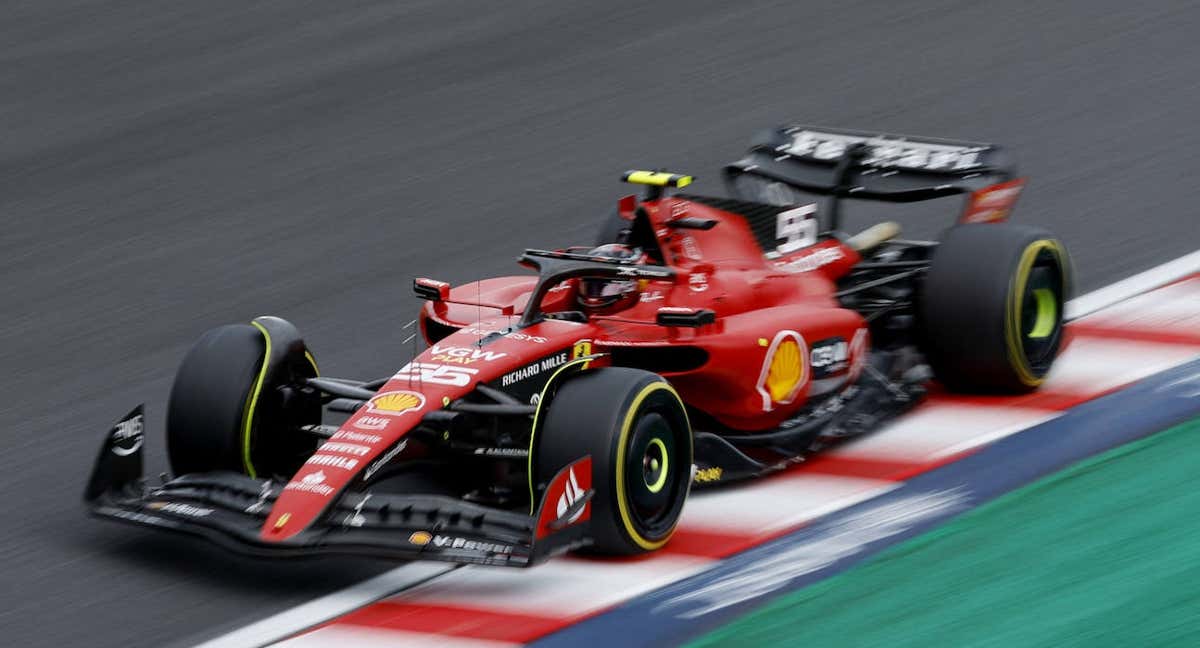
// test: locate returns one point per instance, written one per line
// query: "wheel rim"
(656, 463)
(651, 473)
(1041, 315)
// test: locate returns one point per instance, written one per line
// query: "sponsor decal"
(382, 461)
(884, 152)
(698, 281)
(128, 435)
(512, 335)
(707, 475)
(395, 403)
(519, 453)
(531, 370)
(691, 249)
(651, 296)
(783, 372)
(141, 518)
(463, 355)
(454, 542)
(829, 356)
(571, 494)
(654, 272)
(371, 423)
(358, 437)
(180, 509)
(346, 448)
(311, 483)
(436, 374)
(420, 538)
(332, 461)
(814, 259)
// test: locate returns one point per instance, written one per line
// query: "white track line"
(1137, 284)
(359, 637)
(290, 622)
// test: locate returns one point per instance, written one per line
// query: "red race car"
(701, 341)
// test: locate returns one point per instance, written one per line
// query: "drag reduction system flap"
(862, 164)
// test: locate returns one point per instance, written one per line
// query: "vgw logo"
(463, 355)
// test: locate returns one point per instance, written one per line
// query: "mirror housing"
(680, 316)
(431, 289)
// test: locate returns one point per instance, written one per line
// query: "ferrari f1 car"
(702, 341)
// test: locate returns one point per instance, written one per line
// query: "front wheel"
(238, 400)
(991, 307)
(636, 430)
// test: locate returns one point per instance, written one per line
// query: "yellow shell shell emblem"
(420, 538)
(786, 371)
(397, 402)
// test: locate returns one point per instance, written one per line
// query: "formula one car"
(702, 341)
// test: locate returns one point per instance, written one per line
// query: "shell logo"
(784, 371)
(420, 538)
(396, 403)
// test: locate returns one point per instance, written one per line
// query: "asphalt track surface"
(166, 167)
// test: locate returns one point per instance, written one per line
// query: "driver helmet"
(606, 292)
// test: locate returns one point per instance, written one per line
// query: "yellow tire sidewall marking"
(252, 402)
(622, 497)
(1012, 324)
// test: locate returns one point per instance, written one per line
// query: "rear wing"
(874, 166)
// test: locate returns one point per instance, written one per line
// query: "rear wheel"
(991, 307)
(635, 428)
(238, 399)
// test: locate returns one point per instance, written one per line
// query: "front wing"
(230, 509)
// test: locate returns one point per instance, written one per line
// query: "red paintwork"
(757, 301)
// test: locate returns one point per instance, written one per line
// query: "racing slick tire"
(635, 428)
(236, 401)
(991, 307)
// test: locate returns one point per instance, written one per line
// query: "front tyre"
(636, 430)
(991, 307)
(238, 399)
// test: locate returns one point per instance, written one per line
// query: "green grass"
(1104, 553)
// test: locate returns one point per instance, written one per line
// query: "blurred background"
(170, 166)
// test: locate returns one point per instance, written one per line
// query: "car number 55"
(437, 374)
